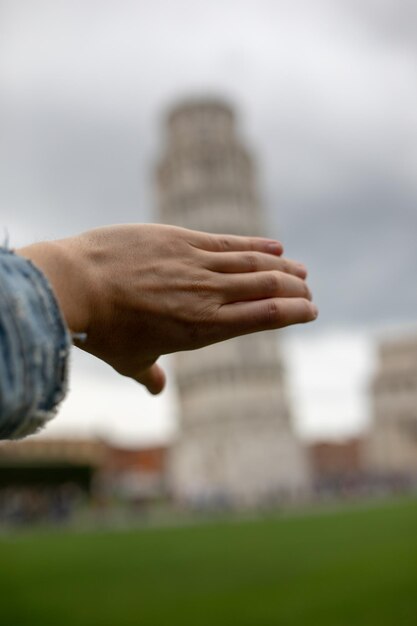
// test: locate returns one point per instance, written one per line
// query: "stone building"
(235, 443)
(337, 467)
(392, 444)
(54, 480)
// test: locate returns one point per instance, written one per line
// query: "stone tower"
(235, 444)
(392, 443)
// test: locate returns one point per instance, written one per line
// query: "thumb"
(153, 378)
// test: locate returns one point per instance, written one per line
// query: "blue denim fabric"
(34, 348)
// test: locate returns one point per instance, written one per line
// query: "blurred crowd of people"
(21, 506)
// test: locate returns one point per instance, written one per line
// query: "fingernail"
(314, 310)
(275, 247)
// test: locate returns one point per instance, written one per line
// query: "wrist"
(67, 275)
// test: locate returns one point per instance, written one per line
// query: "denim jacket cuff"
(34, 348)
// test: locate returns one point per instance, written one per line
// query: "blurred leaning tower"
(235, 444)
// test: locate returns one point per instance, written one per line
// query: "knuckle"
(303, 311)
(273, 282)
(285, 266)
(205, 241)
(251, 262)
(303, 289)
(273, 313)
(306, 309)
(225, 244)
(196, 285)
(201, 326)
(199, 285)
(211, 242)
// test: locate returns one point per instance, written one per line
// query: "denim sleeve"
(34, 348)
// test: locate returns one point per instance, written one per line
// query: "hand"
(140, 291)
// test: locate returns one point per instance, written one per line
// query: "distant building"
(235, 443)
(135, 474)
(392, 444)
(337, 466)
(45, 462)
(93, 466)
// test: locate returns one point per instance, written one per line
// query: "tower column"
(235, 441)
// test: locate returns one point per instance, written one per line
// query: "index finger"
(213, 242)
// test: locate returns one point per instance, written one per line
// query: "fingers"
(234, 243)
(247, 317)
(242, 262)
(153, 378)
(260, 285)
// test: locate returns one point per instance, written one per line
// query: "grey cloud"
(359, 246)
(393, 22)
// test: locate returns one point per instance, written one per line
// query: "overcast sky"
(326, 92)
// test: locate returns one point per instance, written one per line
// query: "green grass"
(354, 567)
